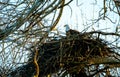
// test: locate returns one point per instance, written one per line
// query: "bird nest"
(69, 55)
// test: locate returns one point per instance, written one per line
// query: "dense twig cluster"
(22, 23)
(79, 55)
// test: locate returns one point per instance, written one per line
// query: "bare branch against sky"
(27, 24)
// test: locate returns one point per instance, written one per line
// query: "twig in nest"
(36, 64)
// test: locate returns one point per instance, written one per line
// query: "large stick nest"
(70, 54)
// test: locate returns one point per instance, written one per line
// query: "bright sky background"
(81, 13)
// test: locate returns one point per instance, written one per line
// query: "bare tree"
(24, 29)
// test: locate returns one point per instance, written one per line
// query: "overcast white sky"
(78, 16)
